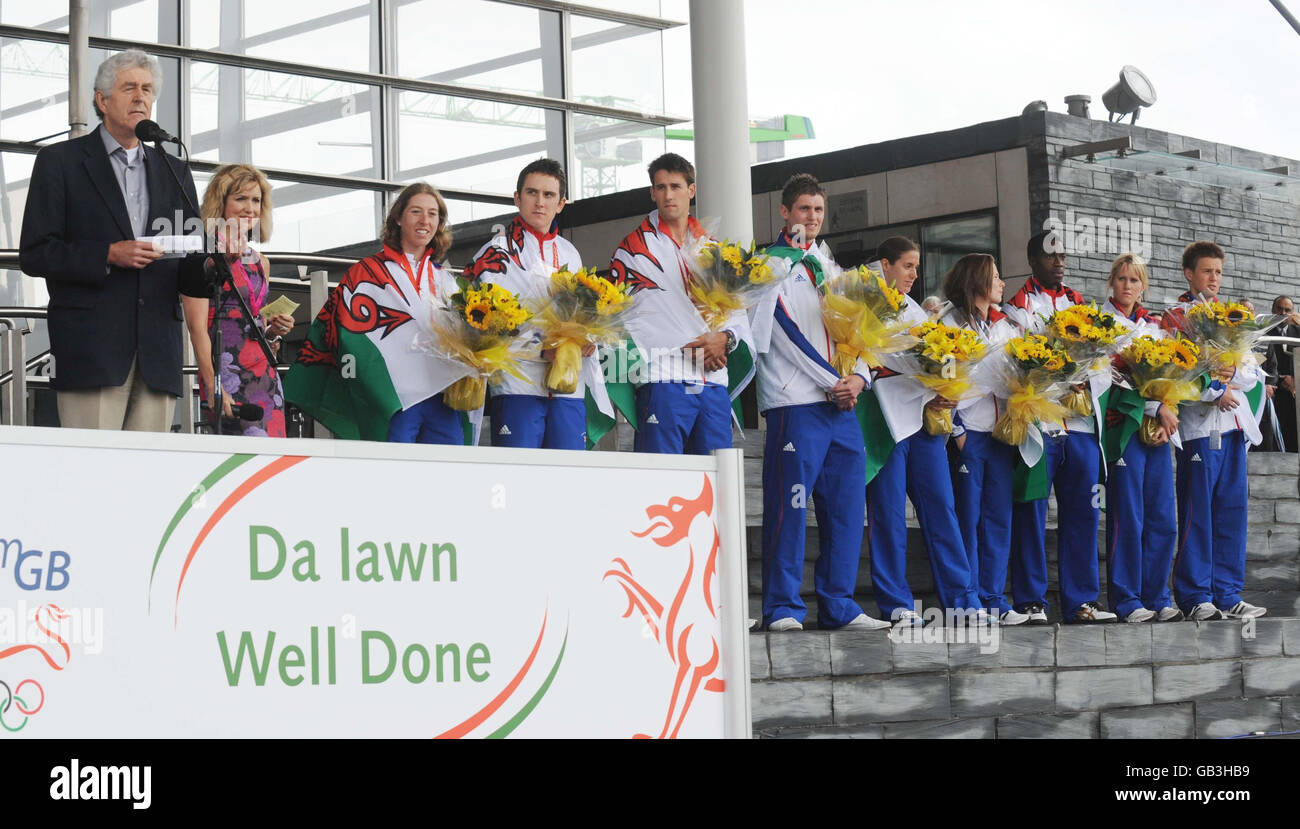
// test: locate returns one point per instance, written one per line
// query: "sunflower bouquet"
(1164, 370)
(1090, 337)
(1036, 373)
(478, 326)
(863, 314)
(580, 308)
(941, 360)
(1227, 333)
(725, 278)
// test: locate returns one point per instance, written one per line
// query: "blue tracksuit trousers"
(812, 450)
(1211, 561)
(1140, 528)
(917, 468)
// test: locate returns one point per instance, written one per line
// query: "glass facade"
(942, 243)
(345, 101)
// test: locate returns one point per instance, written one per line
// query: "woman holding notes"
(237, 210)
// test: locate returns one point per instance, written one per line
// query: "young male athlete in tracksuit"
(814, 444)
(1072, 456)
(521, 259)
(685, 407)
(1210, 565)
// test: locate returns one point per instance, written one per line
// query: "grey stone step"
(1189, 679)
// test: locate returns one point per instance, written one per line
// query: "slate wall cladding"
(1259, 228)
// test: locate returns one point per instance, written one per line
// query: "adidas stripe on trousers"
(812, 451)
(982, 488)
(1211, 562)
(1073, 460)
(1140, 528)
(917, 468)
(527, 421)
(682, 418)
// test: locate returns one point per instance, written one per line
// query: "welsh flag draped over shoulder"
(876, 436)
(665, 317)
(360, 364)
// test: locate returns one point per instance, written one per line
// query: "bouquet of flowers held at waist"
(941, 360)
(580, 309)
(1226, 332)
(1035, 373)
(1164, 370)
(725, 278)
(478, 326)
(1089, 337)
(863, 314)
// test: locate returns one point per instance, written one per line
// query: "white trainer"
(784, 624)
(1242, 610)
(864, 622)
(1013, 617)
(1205, 612)
(908, 618)
(1140, 615)
(1169, 614)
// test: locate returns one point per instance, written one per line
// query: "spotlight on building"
(1131, 93)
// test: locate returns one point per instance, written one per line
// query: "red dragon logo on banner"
(680, 627)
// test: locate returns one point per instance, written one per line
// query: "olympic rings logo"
(14, 701)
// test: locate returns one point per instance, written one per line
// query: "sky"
(864, 72)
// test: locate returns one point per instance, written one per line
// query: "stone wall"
(1259, 228)
(1180, 680)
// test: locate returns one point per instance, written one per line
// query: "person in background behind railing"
(114, 314)
(236, 209)
(933, 306)
(1281, 379)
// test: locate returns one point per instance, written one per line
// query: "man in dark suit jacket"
(114, 312)
(1281, 380)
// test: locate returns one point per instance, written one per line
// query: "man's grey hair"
(106, 75)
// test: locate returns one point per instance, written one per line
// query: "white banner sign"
(166, 585)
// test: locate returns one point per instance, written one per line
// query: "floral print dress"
(246, 377)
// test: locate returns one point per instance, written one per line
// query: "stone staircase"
(1206, 680)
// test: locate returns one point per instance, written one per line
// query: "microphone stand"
(223, 284)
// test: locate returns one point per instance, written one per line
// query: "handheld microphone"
(148, 130)
(247, 411)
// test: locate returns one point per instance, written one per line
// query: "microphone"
(148, 130)
(248, 411)
(240, 412)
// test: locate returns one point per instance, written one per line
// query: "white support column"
(80, 74)
(720, 91)
(733, 599)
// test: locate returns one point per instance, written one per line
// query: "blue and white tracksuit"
(1140, 507)
(813, 450)
(1210, 564)
(1073, 458)
(982, 485)
(917, 468)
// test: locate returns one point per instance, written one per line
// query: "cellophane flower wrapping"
(1033, 374)
(863, 315)
(580, 308)
(478, 326)
(1227, 333)
(726, 278)
(942, 360)
(1164, 370)
(1090, 337)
